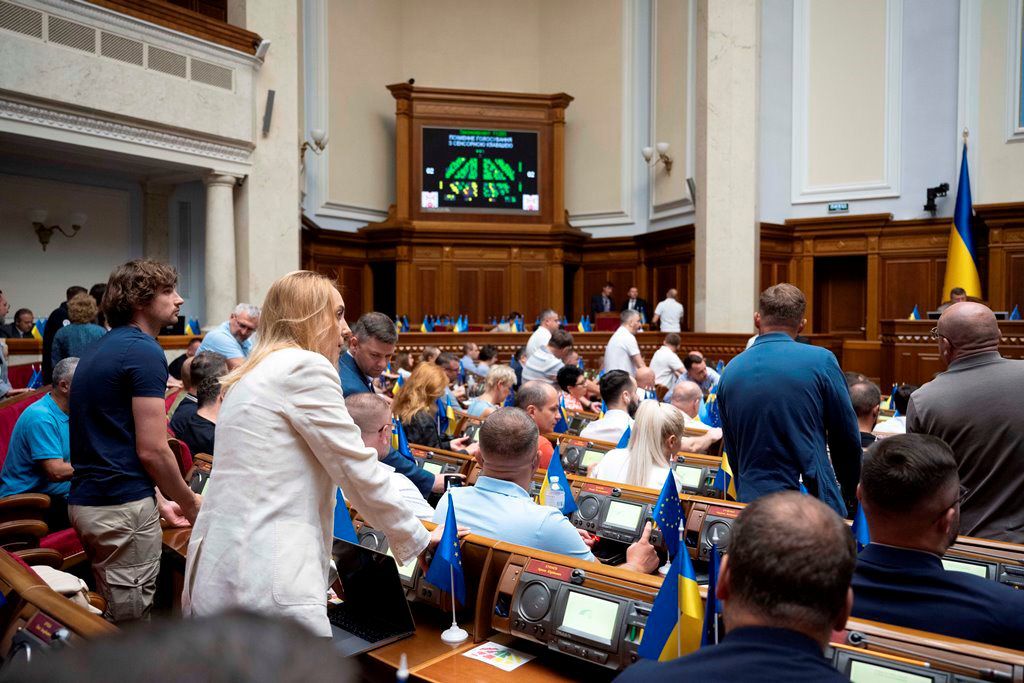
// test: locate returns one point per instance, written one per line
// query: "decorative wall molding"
(889, 184)
(1014, 108)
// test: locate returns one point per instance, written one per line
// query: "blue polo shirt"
(123, 364)
(220, 340)
(502, 510)
(41, 433)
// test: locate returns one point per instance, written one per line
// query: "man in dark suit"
(782, 403)
(370, 348)
(976, 407)
(603, 302)
(911, 495)
(633, 302)
(58, 319)
(21, 328)
(784, 586)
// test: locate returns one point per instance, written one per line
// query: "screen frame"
(701, 476)
(433, 463)
(991, 568)
(844, 659)
(558, 616)
(608, 508)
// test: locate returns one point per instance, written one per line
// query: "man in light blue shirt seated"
(499, 507)
(471, 354)
(40, 449)
(232, 338)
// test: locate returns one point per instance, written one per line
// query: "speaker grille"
(21, 20)
(122, 49)
(211, 74)
(71, 34)
(168, 62)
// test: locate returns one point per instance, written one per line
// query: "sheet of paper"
(501, 656)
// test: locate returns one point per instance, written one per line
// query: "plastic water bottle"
(556, 496)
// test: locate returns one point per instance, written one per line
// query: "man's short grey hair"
(628, 315)
(685, 390)
(534, 393)
(508, 434)
(548, 313)
(364, 407)
(377, 326)
(782, 305)
(65, 370)
(249, 310)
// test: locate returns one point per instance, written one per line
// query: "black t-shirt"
(182, 414)
(123, 364)
(175, 367)
(198, 434)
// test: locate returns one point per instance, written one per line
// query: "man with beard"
(618, 392)
(911, 494)
(232, 338)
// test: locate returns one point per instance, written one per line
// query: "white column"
(727, 234)
(221, 296)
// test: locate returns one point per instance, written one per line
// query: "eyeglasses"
(961, 494)
(936, 335)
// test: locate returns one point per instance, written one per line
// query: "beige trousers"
(123, 542)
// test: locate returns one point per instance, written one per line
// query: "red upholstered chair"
(19, 375)
(10, 411)
(182, 454)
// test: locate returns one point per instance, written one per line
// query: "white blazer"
(262, 541)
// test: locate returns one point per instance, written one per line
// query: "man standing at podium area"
(633, 302)
(542, 335)
(977, 407)
(602, 302)
(784, 587)
(782, 403)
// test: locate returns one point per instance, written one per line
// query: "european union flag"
(708, 413)
(861, 534)
(580, 364)
(624, 439)
(710, 633)
(668, 514)
(36, 380)
(555, 469)
(677, 616)
(403, 441)
(405, 323)
(445, 569)
(343, 528)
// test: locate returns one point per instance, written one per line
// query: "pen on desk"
(403, 669)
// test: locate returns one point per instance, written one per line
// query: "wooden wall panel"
(425, 295)
(908, 282)
(493, 293)
(1015, 281)
(840, 296)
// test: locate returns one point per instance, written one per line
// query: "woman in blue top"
(499, 382)
(72, 339)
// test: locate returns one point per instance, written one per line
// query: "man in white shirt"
(665, 362)
(668, 312)
(372, 414)
(623, 352)
(618, 391)
(546, 361)
(898, 423)
(686, 396)
(542, 335)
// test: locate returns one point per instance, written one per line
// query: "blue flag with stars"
(403, 441)
(668, 514)
(510, 399)
(445, 571)
(343, 528)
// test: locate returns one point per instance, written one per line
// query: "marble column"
(727, 235)
(221, 295)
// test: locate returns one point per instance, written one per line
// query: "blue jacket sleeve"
(422, 479)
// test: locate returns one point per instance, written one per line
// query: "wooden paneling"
(839, 295)
(908, 283)
(426, 293)
(909, 354)
(189, 22)
(1015, 281)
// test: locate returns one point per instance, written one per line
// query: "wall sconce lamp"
(663, 157)
(318, 143)
(44, 233)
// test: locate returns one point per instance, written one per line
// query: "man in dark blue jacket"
(784, 586)
(911, 495)
(370, 349)
(782, 403)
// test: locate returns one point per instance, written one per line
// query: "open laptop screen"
(372, 586)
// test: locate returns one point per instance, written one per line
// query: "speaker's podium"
(606, 322)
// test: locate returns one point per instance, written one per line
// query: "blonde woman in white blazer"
(284, 442)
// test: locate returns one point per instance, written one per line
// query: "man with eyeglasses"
(233, 338)
(977, 407)
(911, 496)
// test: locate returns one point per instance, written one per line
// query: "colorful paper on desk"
(501, 656)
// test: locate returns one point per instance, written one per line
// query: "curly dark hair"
(134, 284)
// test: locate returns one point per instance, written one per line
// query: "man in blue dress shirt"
(784, 586)
(782, 403)
(499, 507)
(911, 495)
(233, 337)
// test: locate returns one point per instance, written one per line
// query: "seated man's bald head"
(645, 378)
(969, 327)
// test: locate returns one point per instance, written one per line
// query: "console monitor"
(405, 571)
(623, 515)
(591, 458)
(433, 467)
(590, 617)
(866, 672)
(690, 477)
(865, 668)
(479, 171)
(965, 566)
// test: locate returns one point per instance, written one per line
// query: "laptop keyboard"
(339, 617)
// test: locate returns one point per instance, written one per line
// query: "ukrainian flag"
(38, 329)
(676, 623)
(961, 266)
(188, 328)
(916, 314)
(725, 481)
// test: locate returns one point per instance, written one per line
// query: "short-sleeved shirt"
(669, 313)
(223, 342)
(125, 363)
(538, 340)
(542, 365)
(609, 428)
(665, 363)
(41, 433)
(197, 433)
(620, 351)
(502, 510)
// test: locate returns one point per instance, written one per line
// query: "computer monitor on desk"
(864, 667)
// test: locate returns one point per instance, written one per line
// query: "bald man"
(977, 407)
(645, 384)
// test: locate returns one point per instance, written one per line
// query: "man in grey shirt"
(977, 407)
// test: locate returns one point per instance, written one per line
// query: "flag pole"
(453, 634)
(679, 597)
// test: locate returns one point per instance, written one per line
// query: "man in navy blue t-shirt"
(119, 448)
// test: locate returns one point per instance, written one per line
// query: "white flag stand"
(454, 634)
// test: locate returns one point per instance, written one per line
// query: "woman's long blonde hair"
(297, 313)
(425, 385)
(655, 422)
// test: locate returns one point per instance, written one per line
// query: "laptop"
(374, 611)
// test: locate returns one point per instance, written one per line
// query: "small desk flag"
(668, 514)
(677, 616)
(445, 569)
(624, 439)
(556, 471)
(343, 528)
(861, 534)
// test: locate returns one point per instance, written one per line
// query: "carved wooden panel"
(840, 295)
(536, 293)
(906, 283)
(350, 280)
(425, 296)
(1015, 281)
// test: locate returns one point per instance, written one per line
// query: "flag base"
(454, 634)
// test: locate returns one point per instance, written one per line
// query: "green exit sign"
(839, 207)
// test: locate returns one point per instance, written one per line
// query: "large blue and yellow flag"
(961, 264)
(676, 623)
(557, 473)
(668, 514)
(445, 569)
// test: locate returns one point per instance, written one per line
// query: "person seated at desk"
(455, 390)
(665, 362)
(404, 364)
(656, 437)
(784, 587)
(196, 370)
(72, 340)
(687, 397)
(645, 385)
(897, 424)
(518, 362)
(233, 337)
(429, 354)
(573, 384)
(546, 361)
(39, 452)
(956, 295)
(698, 372)
(198, 431)
(618, 391)
(866, 399)
(416, 408)
(470, 356)
(539, 400)
(370, 348)
(372, 414)
(499, 507)
(911, 493)
(499, 382)
(174, 367)
(488, 357)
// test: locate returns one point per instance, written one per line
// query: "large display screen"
(590, 617)
(623, 515)
(968, 567)
(479, 171)
(689, 477)
(864, 672)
